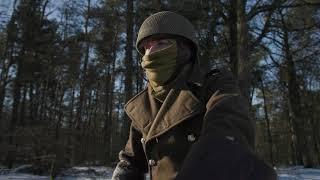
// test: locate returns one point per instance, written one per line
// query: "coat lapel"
(142, 109)
(154, 119)
(179, 105)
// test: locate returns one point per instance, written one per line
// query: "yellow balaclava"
(160, 67)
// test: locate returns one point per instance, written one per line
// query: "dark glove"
(223, 158)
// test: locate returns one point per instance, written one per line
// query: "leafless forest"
(67, 67)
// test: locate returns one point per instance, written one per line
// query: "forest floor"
(105, 173)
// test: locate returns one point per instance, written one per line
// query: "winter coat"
(201, 127)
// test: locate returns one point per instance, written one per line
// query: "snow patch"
(297, 173)
(105, 173)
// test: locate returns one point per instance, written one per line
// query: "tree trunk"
(15, 111)
(110, 104)
(31, 103)
(78, 121)
(107, 112)
(315, 124)
(244, 66)
(2, 96)
(71, 114)
(7, 54)
(60, 114)
(71, 128)
(303, 156)
(43, 91)
(23, 107)
(266, 115)
(316, 139)
(158, 5)
(239, 58)
(128, 65)
(292, 136)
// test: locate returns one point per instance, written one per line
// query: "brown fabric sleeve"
(216, 157)
(227, 111)
(223, 151)
(227, 115)
(132, 162)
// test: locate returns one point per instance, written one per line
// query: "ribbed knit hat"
(166, 23)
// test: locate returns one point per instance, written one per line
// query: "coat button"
(143, 140)
(152, 162)
(191, 137)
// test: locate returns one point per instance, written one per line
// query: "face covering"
(160, 65)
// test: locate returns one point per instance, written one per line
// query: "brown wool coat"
(161, 136)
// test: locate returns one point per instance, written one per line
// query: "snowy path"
(104, 173)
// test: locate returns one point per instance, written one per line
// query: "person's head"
(167, 42)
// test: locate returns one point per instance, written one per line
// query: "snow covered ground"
(298, 172)
(75, 173)
(104, 173)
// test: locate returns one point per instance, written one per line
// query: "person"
(187, 123)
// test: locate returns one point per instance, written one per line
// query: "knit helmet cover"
(166, 23)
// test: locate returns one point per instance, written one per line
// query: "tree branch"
(270, 55)
(276, 4)
(264, 31)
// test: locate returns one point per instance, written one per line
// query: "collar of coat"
(154, 119)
